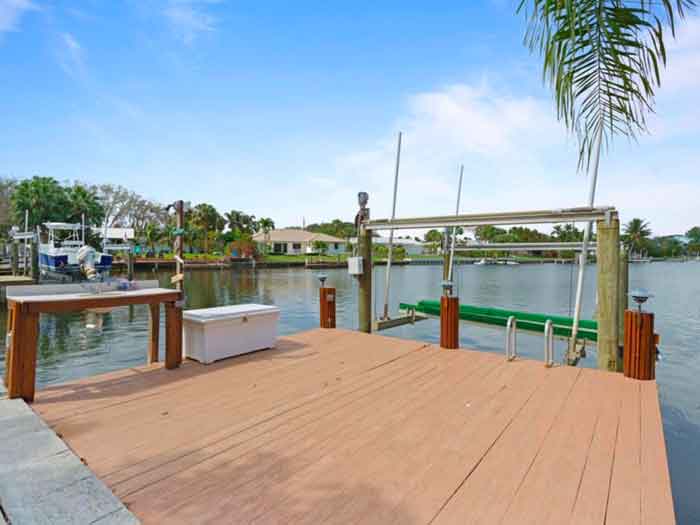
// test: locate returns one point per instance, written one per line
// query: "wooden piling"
(327, 303)
(608, 266)
(364, 299)
(173, 335)
(623, 300)
(35, 260)
(14, 257)
(130, 264)
(640, 348)
(20, 361)
(449, 322)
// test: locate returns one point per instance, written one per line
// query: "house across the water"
(412, 246)
(298, 242)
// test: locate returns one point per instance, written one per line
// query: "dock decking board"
(341, 427)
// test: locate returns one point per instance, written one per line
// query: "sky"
(288, 109)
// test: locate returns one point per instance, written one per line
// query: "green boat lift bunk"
(498, 317)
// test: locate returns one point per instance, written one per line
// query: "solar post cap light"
(447, 287)
(640, 296)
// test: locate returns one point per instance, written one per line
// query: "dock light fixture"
(640, 296)
(322, 279)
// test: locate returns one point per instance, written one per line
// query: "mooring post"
(14, 257)
(364, 250)
(640, 348)
(623, 301)
(449, 321)
(35, 260)
(130, 264)
(608, 265)
(327, 304)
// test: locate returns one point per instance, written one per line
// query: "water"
(69, 350)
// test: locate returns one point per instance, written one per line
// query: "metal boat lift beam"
(584, 214)
(523, 247)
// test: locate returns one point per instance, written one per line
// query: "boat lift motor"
(87, 256)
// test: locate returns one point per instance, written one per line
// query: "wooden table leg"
(21, 372)
(173, 336)
(154, 333)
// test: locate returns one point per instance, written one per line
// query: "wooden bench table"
(25, 303)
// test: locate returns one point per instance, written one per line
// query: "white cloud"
(11, 12)
(190, 18)
(683, 53)
(71, 55)
(516, 157)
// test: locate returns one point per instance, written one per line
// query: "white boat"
(58, 257)
(511, 262)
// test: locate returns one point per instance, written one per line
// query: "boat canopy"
(62, 226)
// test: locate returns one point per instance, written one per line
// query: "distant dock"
(336, 426)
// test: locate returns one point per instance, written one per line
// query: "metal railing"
(548, 343)
(511, 338)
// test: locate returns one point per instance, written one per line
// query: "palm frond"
(603, 60)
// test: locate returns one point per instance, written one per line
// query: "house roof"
(292, 235)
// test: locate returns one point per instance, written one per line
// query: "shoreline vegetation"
(215, 239)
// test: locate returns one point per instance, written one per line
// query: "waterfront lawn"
(276, 258)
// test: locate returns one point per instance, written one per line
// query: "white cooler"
(211, 334)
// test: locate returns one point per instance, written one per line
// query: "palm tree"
(152, 234)
(636, 235)
(602, 59)
(208, 219)
(266, 224)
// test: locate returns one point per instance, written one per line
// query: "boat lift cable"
(454, 228)
(391, 232)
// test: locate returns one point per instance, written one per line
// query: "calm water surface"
(69, 350)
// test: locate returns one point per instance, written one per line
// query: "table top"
(75, 301)
(81, 296)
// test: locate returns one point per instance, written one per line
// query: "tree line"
(114, 206)
(636, 236)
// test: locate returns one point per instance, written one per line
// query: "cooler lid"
(234, 311)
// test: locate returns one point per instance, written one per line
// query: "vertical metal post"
(391, 232)
(583, 257)
(454, 229)
(179, 240)
(25, 260)
(608, 255)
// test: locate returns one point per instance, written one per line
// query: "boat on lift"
(58, 257)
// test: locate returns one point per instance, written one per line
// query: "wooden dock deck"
(342, 427)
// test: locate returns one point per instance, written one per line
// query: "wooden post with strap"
(327, 307)
(639, 361)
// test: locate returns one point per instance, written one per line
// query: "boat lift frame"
(611, 299)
